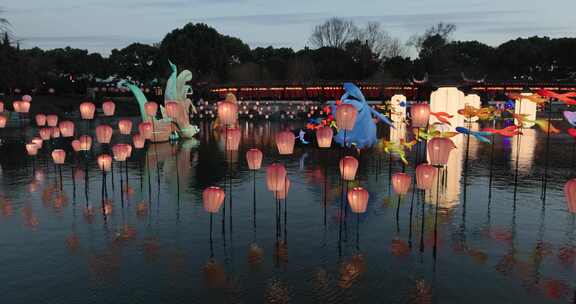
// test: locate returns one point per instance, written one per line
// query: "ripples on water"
(152, 244)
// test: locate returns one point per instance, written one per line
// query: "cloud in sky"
(101, 25)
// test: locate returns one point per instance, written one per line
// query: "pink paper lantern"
(425, 175)
(27, 98)
(1, 106)
(570, 194)
(212, 199)
(254, 159)
(151, 108)
(40, 120)
(37, 141)
(358, 199)
(32, 149)
(55, 132)
(348, 168)
(401, 183)
(76, 145)
(104, 162)
(125, 126)
(24, 106)
(120, 152)
(138, 140)
(108, 107)
(172, 108)
(233, 136)
(146, 129)
(87, 110)
(227, 112)
(420, 114)
(52, 120)
(59, 156)
(275, 175)
(439, 149)
(285, 141)
(66, 128)
(282, 193)
(104, 134)
(324, 137)
(346, 116)
(17, 105)
(85, 142)
(3, 121)
(45, 133)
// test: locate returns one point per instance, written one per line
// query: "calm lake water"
(153, 245)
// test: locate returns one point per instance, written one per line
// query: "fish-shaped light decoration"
(397, 149)
(479, 135)
(506, 132)
(571, 132)
(535, 98)
(442, 117)
(567, 98)
(546, 126)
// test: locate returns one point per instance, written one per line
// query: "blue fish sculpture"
(363, 135)
(481, 136)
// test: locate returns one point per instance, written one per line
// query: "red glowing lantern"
(172, 108)
(348, 168)
(59, 156)
(233, 136)
(104, 134)
(1, 106)
(275, 175)
(346, 116)
(138, 141)
(76, 145)
(120, 152)
(27, 98)
(40, 120)
(358, 199)
(87, 110)
(401, 183)
(439, 149)
(151, 108)
(45, 133)
(420, 114)
(324, 137)
(128, 150)
(104, 162)
(108, 107)
(85, 142)
(66, 128)
(285, 141)
(3, 121)
(55, 132)
(227, 112)
(38, 142)
(425, 174)
(146, 129)
(212, 198)
(32, 149)
(570, 194)
(254, 159)
(125, 126)
(282, 193)
(52, 120)
(17, 106)
(24, 106)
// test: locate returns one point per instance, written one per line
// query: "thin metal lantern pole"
(436, 214)
(547, 159)
(211, 239)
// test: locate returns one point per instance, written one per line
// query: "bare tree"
(380, 41)
(335, 32)
(442, 30)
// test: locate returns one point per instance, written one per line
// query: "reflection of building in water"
(398, 132)
(398, 107)
(523, 146)
(474, 101)
(525, 107)
(474, 143)
(449, 100)
(450, 176)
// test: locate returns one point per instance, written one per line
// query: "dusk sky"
(101, 25)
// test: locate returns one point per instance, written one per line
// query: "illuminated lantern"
(108, 107)
(570, 193)
(439, 150)
(254, 159)
(401, 183)
(87, 110)
(420, 114)
(348, 168)
(104, 134)
(55, 132)
(425, 174)
(45, 133)
(128, 150)
(233, 139)
(145, 129)
(66, 128)
(17, 106)
(85, 142)
(32, 149)
(171, 109)
(138, 141)
(125, 126)
(59, 156)
(40, 120)
(358, 199)
(38, 142)
(275, 175)
(3, 121)
(24, 106)
(1, 106)
(285, 142)
(151, 108)
(227, 112)
(27, 98)
(104, 162)
(120, 152)
(76, 145)
(212, 199)
(282, 193)
(52, 120)
(324, 137)
(346, 116)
